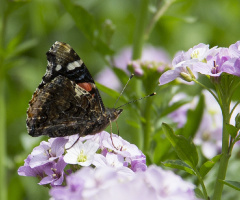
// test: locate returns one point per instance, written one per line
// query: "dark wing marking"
(63, 108)
(63, 60)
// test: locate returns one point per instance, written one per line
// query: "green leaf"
(194, 119)
(185, 149)
(233, 184)
(232, 130)
(133, 123)
(173, 107)
(87, 24)
(207, 166)
(178, 164)
(199, 193)
(107, 90)
(83, 19)
(122, 76)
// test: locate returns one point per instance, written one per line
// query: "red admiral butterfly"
(67, 101)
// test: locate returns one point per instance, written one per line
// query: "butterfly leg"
(117, 127)
(73, 143)
(111, 135)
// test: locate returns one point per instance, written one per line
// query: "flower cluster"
(201, 58)
(139, 66)
(111, 183)
(100, 167)
(49, 159)
(155, 59)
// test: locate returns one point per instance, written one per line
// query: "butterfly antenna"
(137, 100)
(123, 89)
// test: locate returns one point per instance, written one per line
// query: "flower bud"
(185, 76)
(191, 73)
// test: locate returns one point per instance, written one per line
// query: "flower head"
(72, 191)
(107, 183)
(81, 153)
(200, 58)
(55, 173)
(26, 170)
(153, 58)
(47, 151)
(234, 49)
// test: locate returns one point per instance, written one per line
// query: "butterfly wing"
(61, 108)
(63, 60)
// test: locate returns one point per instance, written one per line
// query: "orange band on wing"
(86, 86)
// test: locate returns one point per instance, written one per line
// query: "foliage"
(98, 31)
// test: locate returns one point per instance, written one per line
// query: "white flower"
(111, 159)
(81, 153)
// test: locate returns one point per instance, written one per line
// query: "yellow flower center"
(81, 157)
(195, 54)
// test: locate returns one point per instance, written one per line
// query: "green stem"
(3, 179)
(225, 151)
(160, 11)
(3, 183)
(202, 184)
(139, 31)
(147, 126)
(138, 43)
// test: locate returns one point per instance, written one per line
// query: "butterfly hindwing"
(51, 114)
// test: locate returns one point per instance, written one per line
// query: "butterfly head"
(113, 113)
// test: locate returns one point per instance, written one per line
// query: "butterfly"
(67, 101)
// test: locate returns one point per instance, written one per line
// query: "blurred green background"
(29, 28)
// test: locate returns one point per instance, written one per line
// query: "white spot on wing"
(73, 65)
(58, 67)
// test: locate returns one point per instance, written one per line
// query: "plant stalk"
(225, 151)
(138, 43)
(3, 182)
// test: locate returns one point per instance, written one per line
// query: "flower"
(26, 170)
(139, 163)
(107, 183)
(47, 151)
(200, 58)
(72, 191)
(55, 173)
(198, 54)
(121, 146)
(168, 185)
(44, 158)
(234, 49)
(81, 153)
(50, 172)
(111, 159)
(178, 72)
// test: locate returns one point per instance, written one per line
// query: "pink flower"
(200, 58)
(110, 183)
(55, 173)
(47, 151)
